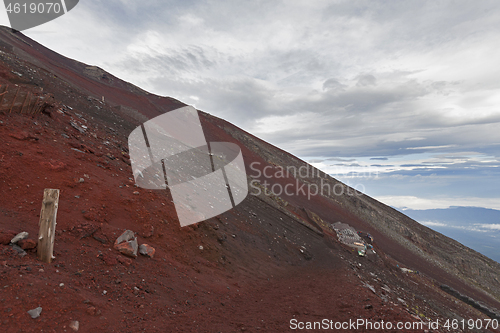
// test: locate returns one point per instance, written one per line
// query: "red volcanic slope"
(254, 268)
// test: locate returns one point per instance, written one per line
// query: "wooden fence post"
(24, 102)
(46, 235)
(4, 92)
(14, 100)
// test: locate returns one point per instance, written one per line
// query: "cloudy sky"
(400, 99)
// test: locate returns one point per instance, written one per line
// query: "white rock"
(19, 236)
(35, 313)
(74, 325)
(126, 236)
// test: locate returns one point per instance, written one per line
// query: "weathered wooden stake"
(46, 235)
(14, 100)
(4, 92)
(24, 102)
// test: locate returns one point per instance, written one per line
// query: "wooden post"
(4, 92)
(14, 100)
(47, 224)
(24, 102)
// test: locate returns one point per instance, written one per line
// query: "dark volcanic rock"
(127, 244)
(128, 248)
(147, 250)
(492, 313)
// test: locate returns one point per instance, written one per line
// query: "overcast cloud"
(409, 89)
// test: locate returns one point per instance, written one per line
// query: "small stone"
(61, 285)
(27, 244)
(126, 236)
(127, 244)
(91, 310)
(200, 247)
(147, 250)
(19, 236)
(19, 250)
(368, 306)
(81, 180)
(35, 313)
(74, 325)
(147, 231)
(128, 248)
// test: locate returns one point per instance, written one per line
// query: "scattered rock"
(147, 231)
(35, 313)
(75, 126)
(127, 244)
(368, 306)
(6, 237)
(91, 310)
(27, 244)
(19, 236)
(126, 236)
(74, 325)
(147, 250)
(492, 313)
(19, 250)
(128, 248)
(100, 237)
